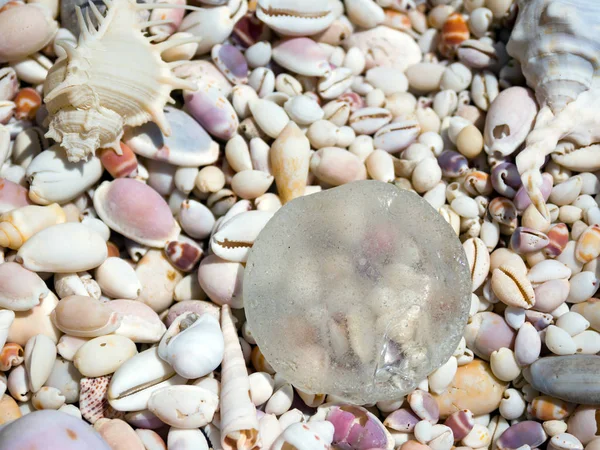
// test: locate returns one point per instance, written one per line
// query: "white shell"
(182, 439)
(7, 317)
(103, 355)
(193, 345)
(40, 354)
(117, 279)
(184, 406)
(67, 247)
(294, 18)
(83, 88)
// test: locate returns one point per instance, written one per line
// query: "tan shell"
(35, 321)
(20, 224)
(82, 87)
(82, 316)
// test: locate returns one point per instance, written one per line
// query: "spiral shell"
(88, 101)
(557, 46)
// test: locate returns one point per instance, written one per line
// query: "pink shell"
(12, 196)
(136, 211)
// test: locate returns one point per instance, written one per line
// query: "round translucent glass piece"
(359, 291)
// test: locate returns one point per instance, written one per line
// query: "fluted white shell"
(557, 44)
(193, 345)
(114, 78)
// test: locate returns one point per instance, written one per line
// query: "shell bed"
(146, 147)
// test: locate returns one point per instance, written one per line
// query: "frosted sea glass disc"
(359, 291)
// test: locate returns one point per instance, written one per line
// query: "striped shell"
(93, 401)
(114, 78)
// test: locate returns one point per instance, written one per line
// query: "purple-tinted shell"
(212, 110)
(196, 306)
(183, 255)
(522, 200)
(506, 179)
(453, 164)
(50, 429)
(503, 211)
(354, 101)
(424, 405)
(527, 240)
(144, 419)
(551, 294)
(527, 432)
(558, 237)
(303, 56)
(249, 30)
(461, 423)
(538, 319)
(231, 62)
(356, 428)
(402, 419)
(488, 332)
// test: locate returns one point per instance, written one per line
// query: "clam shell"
(20, 289)
(85, 317)
(193, 345)
(136, 211)
(184, 406)
(63, 248)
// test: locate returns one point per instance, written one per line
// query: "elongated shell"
(239, 426)
(557, 44)
(84, 87)
(20, 224)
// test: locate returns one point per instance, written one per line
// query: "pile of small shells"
(121, 298)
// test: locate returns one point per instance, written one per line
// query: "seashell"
(315, 435)
(11, 355)
(479, 54)
(151, 439)
(67, 247)
(488, 332)
(261, 387)
(12, 196)
(235, 238)
(17, 384)
(27, 102)
(512, 287)
(581, 159)
(558, 237)
(231, 62)
(527, 240)
(38, 428)
(282, 399)
(397, 135)
(509, 120)
(424, 406)
(303, 110)
(590, 310)
(193, 345)
(196, 219)
(389, 47)
(302, 56)
(583, 424)
(369, 120)
(20, 224)
(53, 178)
(588, 244)
(158, 278)
(250, 184)
(48, 398)
(337, 166)
(548, 408)
(76, 284)
(528, 432)
(82, 316)
(7, 318)
(292, 19)
(73, 101)
(182, 439)
(119, 435)
(454, 31)
(567, 378)
(118, 165)
(184, 406)
(40, 354)
(103, 355)
(479, 261)
(117, 279)
(269, 116)
(134, 382)
(34, 321)
(65, 378)
(239, 425)
(20, 289)
(461, 423)
(564, 441)
(9, 84)
(355, 427)
(527, 345)
(184, 253)
(138, 321)
(93, 402)
(123, 204)
(335, 83)
(213, 25)
(290, 158)
(25, 30)
(222, 280)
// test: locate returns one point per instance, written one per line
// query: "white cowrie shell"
(103, 355)
(512, 406)
(303, 110)
(479, 261)
(235, 238)
(559, 341)
(40, 354)
(117, 279)
(478, 437)
(17, 384)
(261, 387)
(48, 398)
(270, 117)
(583, 286)
(504, 365)
(187, 439)
(292, 18)
(512, 287)
(193, 345)
(573, 323)
(441, 378)
(281, 400)
(184, 406)
(335, 83)
(547, 270)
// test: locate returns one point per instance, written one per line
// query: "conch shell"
(239, 425)
(557, 45)
(114, 78)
